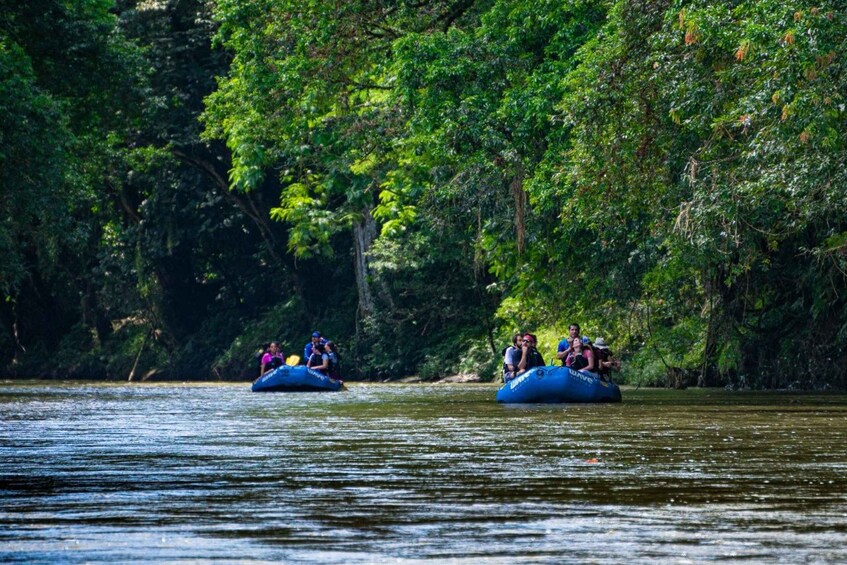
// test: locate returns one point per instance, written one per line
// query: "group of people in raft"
(575, 351)
(320, 355)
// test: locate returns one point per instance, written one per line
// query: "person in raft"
(308, 350)
(333, 369)
(565, 344)
(530, 357)
(581, 357)
(273, 358)
(511, 358)
(606, 363)
(318, 360)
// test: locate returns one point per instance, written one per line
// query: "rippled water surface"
(415, 472)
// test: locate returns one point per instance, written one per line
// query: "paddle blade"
(292, 360)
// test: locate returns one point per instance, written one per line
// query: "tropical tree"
(718, 129)
(66, 84)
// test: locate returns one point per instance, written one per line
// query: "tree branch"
(248, 208)
(457, 11)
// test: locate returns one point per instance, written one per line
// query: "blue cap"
(316, 334)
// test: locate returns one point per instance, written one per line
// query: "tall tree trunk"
(706, 369)
(364, 236)
(519, 196)
(716, 293)
(245, 202)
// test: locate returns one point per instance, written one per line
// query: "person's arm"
(509, 361)
(324, 364)
(522, 362)
(562, 353)
(589, 355)
(611, 362)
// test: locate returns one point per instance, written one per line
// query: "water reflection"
(438, 472)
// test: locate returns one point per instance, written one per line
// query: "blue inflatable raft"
(295, 379)
(557, 384)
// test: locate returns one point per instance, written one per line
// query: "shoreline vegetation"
(183, 181)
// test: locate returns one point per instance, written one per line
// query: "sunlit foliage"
(423, 178)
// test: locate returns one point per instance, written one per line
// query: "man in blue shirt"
(565, 344)
(316, 339)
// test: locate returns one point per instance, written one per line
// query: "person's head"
(529, 340)
(273, 347)
(319, 347)
(329, 346)
(316, 337)
(516, 339)
(573, 329)
(576, 344)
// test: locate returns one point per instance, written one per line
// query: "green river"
(412, 473)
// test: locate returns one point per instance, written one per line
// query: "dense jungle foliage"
(183, 180)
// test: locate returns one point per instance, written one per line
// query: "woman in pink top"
(580, 358)
(273, 358)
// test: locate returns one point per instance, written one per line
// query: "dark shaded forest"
(182, 181)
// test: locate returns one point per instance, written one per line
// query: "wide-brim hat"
(600, 343)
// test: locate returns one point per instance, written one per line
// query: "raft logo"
(320, 376)
(581, 376)
(515, 383)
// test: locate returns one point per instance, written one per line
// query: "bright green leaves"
(311, 226)
(649, 166)
(393, 213)
(727, 127)
(248, 167)
(305, 95)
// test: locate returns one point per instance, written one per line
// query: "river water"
(407, 473)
